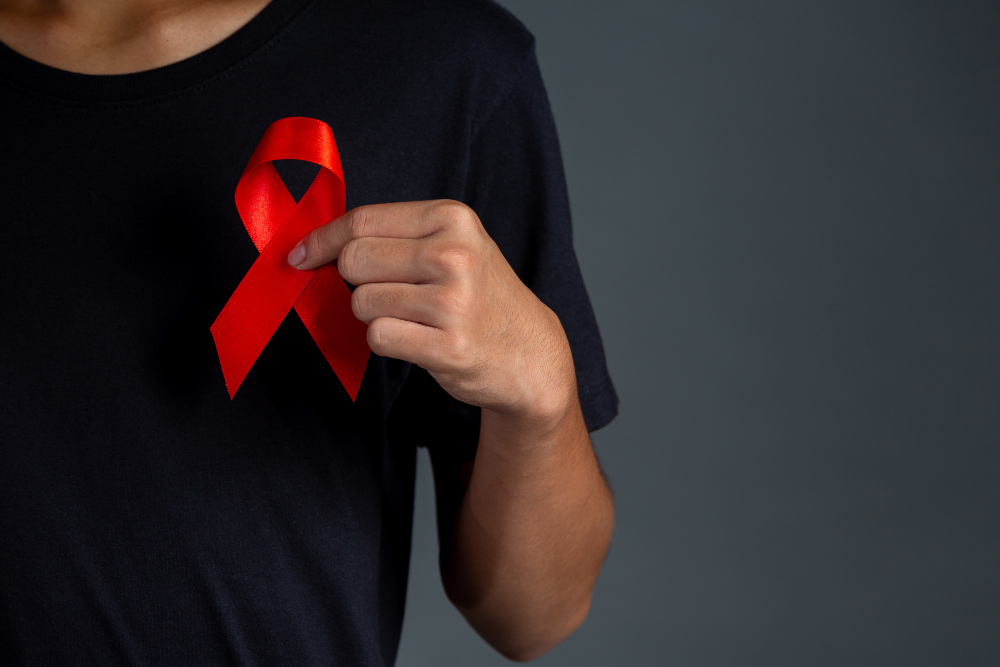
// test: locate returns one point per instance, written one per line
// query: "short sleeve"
(517, 186)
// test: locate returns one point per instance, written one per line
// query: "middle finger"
(385, 260)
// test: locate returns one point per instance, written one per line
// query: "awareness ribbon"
(272, 287)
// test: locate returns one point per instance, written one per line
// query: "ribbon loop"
(271, 287)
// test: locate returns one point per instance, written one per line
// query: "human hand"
(435, 290)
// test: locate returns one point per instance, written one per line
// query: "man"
(149, 519)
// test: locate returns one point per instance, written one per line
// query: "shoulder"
(432, 40)
(427, 61)
(478, 44)
(476, 28)
(473, 26)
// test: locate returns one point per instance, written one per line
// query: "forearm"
(524, 540)
(531, 533)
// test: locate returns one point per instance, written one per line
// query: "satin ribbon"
(272, 287)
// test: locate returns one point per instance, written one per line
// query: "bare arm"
(522, 545)
(529, 535)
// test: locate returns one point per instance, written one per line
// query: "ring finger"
(401, 301)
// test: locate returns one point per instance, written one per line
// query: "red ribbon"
(272, 287)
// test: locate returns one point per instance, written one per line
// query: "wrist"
(544, 377)
(547, 404)
(532, 424)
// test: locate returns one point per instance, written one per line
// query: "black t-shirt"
(146, 518)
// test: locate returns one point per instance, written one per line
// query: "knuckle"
(461, 351)
(452, 212)
(351, 260)
(362, 221)
(453, 258)
(318, 243)
(361, 302)
(378, 336)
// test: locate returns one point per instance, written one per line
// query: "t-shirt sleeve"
(516, 185)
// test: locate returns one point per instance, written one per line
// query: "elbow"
(526, 604)
(529, 643)
(522, 633)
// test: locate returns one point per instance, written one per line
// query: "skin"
(523, 535)
(119, 36)
(524, 527)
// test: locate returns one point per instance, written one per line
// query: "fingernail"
(298, 254)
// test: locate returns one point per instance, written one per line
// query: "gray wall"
(788, 216)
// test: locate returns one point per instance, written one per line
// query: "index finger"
(410, 220)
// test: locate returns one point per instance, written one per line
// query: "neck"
(119, 36)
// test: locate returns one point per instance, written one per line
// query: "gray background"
(788, 217)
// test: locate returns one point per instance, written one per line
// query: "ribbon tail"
(246, 324)
(236, 360)
(260, 303)
(325, 310)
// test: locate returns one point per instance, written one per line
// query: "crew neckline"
(159, 82)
